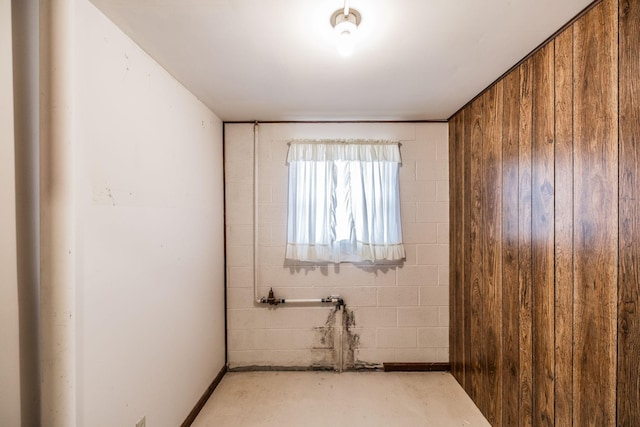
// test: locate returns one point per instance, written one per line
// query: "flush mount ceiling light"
(345, 22)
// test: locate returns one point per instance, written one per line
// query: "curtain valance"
(364, 150)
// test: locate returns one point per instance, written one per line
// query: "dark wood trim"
(416, 367)
(203, 400)
(330, 121)
(530, 54)
(267, 368)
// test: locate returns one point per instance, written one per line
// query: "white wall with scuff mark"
(150, 256)
(399, 313)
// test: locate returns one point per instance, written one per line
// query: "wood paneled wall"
(545, 231)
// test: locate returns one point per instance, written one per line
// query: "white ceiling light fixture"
(345, 22)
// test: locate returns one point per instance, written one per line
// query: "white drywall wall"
(150, 259)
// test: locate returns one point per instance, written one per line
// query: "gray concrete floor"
(354, 399)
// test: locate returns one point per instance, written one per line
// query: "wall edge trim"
(417, 367)
(204, 398)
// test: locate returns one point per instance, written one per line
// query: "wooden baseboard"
(416, 367)
(269, 368)
(203, 400)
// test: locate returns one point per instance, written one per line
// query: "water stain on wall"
(324, 351)
(339, 325)
(327, 331)
(350, 340)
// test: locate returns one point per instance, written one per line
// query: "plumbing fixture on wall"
(272, 300)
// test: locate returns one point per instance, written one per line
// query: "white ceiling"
(276, 59)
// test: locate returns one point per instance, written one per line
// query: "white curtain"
(344, 201)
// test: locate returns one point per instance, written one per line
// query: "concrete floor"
(353, 399)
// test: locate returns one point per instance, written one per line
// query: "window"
(344, 201)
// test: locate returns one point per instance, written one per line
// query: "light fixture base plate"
(338, 16)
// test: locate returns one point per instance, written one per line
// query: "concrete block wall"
(395, 313)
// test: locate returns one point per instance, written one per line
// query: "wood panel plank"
(628, 378)
(524, 245)
(542, 231)
(478, 387)
(454, 250)
(466, 292)
(459, 243)
(452, 254)
(510, 290)
(460, 153)
(595, 215)
(564, 228)
(492, 250)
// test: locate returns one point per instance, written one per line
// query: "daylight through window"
(344, 201)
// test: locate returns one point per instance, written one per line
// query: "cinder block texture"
(395, 313)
